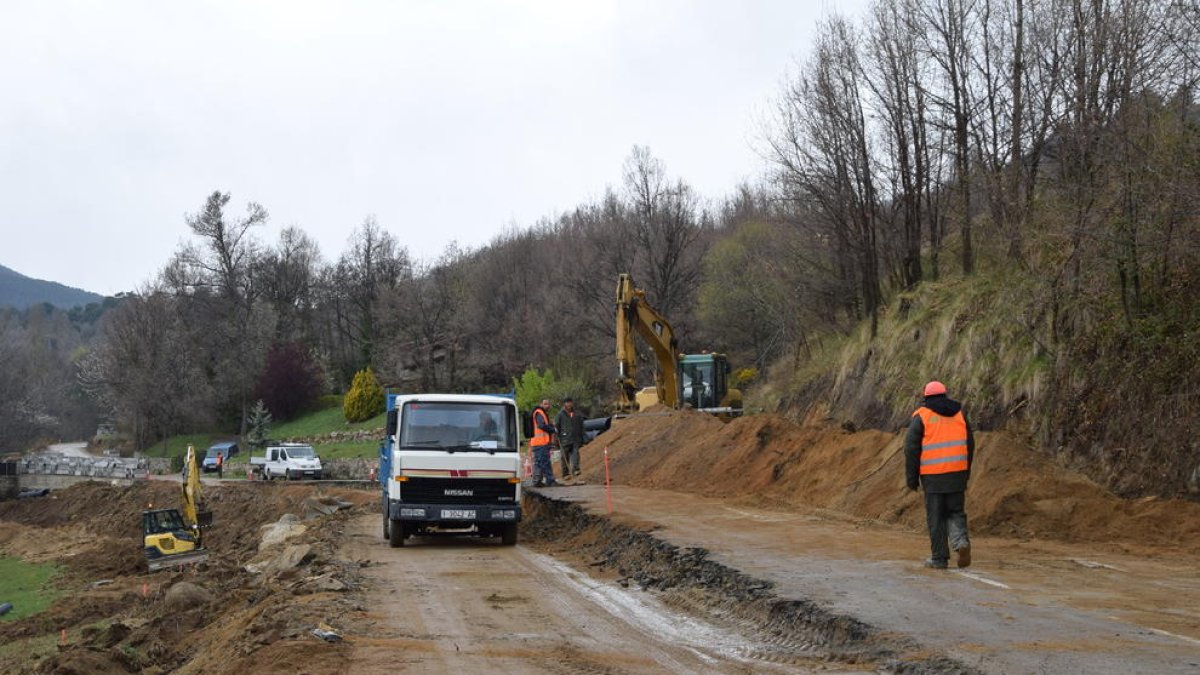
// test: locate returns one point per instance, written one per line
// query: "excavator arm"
(190, 499)
(636, 316)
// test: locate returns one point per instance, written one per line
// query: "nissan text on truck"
(450, 464)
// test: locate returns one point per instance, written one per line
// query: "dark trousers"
(945, 513)
(543, 471)
(570, 458)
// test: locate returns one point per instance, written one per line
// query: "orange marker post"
(62, 638)
(607, 481)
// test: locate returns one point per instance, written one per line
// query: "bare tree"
(666, 230)
(376, 261)
(948, 37)
(217, 275)
(823, 157)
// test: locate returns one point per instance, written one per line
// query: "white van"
(292, 461)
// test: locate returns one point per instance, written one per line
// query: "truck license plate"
(458, 514)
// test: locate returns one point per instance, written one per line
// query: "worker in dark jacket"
(938, 451)
(569, 422)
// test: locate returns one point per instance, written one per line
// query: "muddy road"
(1023, 606)
(447, 605)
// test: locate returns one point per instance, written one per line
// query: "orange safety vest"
(944, 446)
(540, 436)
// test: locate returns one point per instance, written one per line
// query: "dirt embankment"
(768, 460)
(216, 617)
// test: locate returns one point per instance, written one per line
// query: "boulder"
(186, 595)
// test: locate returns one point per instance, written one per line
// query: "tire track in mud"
(453, 605)
(780, 631)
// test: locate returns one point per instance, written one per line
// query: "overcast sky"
(447, 120)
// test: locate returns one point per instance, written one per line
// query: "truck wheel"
(396, 533)
(288, 474)
(509, 536)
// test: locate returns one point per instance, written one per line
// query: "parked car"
(289, 460)
(230, 447)
(209, 463)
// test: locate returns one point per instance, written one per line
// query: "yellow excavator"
(173, 537)
(700, 381)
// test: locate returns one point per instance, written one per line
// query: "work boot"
(964, 556)
(936, 564)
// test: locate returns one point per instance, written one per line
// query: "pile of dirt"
(119, 618)
(766, 459)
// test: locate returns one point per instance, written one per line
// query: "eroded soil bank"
(770, 461)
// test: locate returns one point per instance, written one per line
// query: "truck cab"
(292, 461)
(450, 464)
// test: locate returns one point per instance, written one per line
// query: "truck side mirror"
(393, 419)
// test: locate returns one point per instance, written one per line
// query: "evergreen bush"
(365, 398)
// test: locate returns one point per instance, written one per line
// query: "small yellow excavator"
(172, 538)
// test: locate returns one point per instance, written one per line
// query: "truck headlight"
(509, 514)
(412, 513)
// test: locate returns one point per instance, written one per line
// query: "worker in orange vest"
(938, 451)
(220, 464)
(541, 444)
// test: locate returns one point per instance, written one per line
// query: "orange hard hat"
(935, 388)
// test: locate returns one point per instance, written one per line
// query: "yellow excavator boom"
(191, 497)
(636, 316)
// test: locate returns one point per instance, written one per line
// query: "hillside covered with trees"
(998, 193)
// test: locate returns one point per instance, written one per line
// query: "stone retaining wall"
(349, 469)
(98, 467)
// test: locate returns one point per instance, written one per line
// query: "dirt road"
(1024, 606)
(469, 605)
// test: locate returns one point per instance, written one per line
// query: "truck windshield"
(301, 452)
(458, 426)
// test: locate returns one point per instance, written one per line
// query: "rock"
(186, 595)
(324, 584)
(291, 556)
(276, 533)
(323, 506)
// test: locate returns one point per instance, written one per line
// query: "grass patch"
(323, 422)
(177, 445)
(317, 423)
(27, 586)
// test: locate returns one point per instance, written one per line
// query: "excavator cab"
(704, 380)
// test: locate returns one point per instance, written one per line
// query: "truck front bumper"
(450, 513)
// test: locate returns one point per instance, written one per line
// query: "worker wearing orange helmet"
(938, 451)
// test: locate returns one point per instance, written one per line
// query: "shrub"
(365, 398)
(259, 426)
(290, 381)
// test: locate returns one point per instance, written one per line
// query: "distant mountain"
(20, 291)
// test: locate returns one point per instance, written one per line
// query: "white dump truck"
(449, 464)
(292, 461)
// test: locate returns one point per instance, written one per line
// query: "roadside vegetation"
(27, 586)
